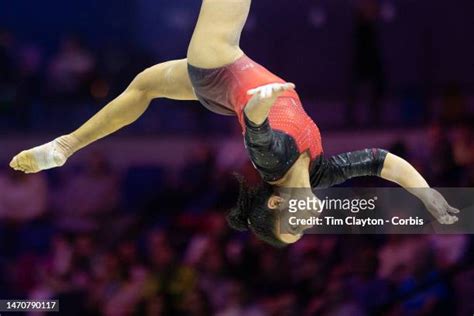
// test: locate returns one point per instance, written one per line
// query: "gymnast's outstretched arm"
(378, 162)
(165, 80)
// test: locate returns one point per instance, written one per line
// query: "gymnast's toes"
(24, 162)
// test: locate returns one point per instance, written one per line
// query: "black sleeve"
(258, 135)
(339, 168)
(271, 152)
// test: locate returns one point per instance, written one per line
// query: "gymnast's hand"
(263, 98)
(271, 90)
(437, 205)
(51, 155)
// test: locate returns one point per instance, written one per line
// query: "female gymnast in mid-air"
(283, 142)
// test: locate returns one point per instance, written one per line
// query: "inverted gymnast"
(282, 141)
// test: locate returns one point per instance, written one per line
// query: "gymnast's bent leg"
(165, 80)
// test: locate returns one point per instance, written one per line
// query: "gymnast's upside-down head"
(264, 210)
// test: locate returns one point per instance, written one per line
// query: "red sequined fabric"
(224, 91)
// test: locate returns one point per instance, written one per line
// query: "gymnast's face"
(284, 229)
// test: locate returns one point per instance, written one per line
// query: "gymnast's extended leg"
(165, 80)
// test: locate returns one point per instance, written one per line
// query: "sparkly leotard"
(274, 146)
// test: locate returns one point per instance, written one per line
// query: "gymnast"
(282, 141)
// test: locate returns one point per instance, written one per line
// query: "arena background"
(134, 224)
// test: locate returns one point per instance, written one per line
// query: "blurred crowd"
(154, 241)
(36, 82)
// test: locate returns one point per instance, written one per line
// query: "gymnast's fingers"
(267, 91)
(286, 87)
(253, 91)
(453, 219)
(453, 210)
(448, 219)
(278, 87)
(289, 86)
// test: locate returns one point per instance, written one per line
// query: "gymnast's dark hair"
(252, 212)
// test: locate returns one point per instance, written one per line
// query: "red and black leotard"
(275, 145)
